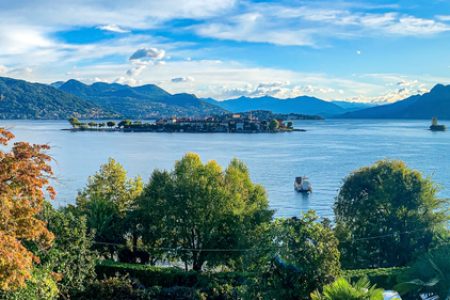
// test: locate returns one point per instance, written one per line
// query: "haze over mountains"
(24, 100)
(301, 105)
(435, 103)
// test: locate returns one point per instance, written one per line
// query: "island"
(248, 122)
(435, 126)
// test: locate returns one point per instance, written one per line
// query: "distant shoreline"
(177, 131)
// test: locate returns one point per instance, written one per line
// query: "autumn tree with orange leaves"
(24, 184)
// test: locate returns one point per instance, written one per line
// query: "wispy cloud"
(113, 28)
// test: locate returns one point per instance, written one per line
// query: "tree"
(74, 122)
(341, 289)
(24, 173)
(106, 199)
(111, 124)
(92, 124)
(429, 275)
(41, 285)
(274, 125)
(70, 256)
(304, 257)
(386, 215)
(197, 208)
(124, 123)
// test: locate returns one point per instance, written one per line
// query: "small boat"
(302, 185)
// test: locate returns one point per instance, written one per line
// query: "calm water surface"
(326, 153)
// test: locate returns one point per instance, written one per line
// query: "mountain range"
(24, 100)
(300, 105)
(435, 103)
(141, 102)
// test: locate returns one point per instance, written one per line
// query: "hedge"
(386, 278)
(150, 276)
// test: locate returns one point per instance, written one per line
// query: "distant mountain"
(299, 105)
(24, 100)
(352, 106)
(142, 102)
(436, 103)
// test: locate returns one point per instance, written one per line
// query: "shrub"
(150, 276)
(386, 278)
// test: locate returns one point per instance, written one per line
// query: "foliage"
(26, 100)
(110, 124)
(40, 286)
(306, 257)
(24, 172)
(341, 289)
(386, 215)
(113, 288)
(430, 275)
(274, 125)
(106, 199)
(70, 256)
(168, 276)
(124, 123)
(386, 278)
(74, 122)
(198, 207)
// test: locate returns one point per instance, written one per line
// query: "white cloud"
(445, 18)
(309, 25)
(113, 28)
(182, 79)
(3, 69)
(136, 71)
(148, 53)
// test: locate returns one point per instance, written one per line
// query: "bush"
(150, 276)
(386, 278)
(114, 288)
(41, 286)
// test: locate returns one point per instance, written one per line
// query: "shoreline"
(128, 130)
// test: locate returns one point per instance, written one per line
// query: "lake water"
(326, 153)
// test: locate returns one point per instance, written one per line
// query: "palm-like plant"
(341, 289)
(429, 275)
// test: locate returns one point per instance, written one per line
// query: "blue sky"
(348, 50)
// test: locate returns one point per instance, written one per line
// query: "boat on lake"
(302, 185)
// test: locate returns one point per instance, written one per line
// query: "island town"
(250, 122)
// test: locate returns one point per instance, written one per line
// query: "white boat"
(302, 185)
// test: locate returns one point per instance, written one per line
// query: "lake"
(327, 152)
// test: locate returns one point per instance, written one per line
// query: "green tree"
(386, 215)
(70, 256)
(111, 124)
(74, 122)
(198, 207)
(341, 289)
(106, 199)
(92, 124)
(124, 123)
(304, 257)
(430, 275)
(274, 125)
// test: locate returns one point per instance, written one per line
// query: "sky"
(367, 51)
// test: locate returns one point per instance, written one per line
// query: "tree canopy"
(24, 173)
(198, 208)
(386, 215)
(106, 199)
